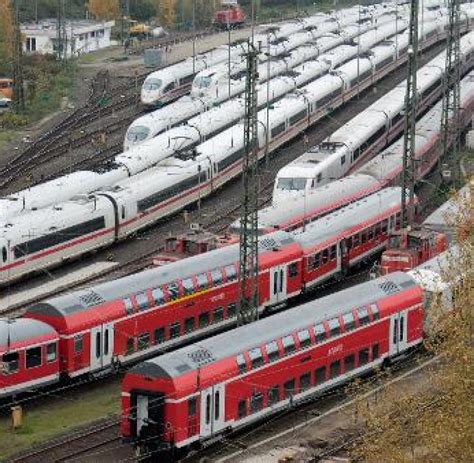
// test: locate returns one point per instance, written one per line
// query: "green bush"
(9, 120)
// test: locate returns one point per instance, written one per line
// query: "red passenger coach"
(175, 402)
(28, 355)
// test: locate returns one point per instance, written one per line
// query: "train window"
(10, 363)
(363, 314)
(363, 238)
(208, 408)
(143, 341)
(288, 344)
(123, 212)
(289, 388)
(241, 363)
(217, 278)
(305, 382)
(106, 342)
(375, 352)
(202, 281)
(127, 302)
(384, 226)
(33, 357)
(256, 357)
(272, 351)
(231, 310)
(371, 233)
(98, 346)
(130, 345)
(142, 301)
(402, 329)
(51, 352)
(203, 319)
(242, 408)
(4, 254)
(173, 291)
(335, 369)
(230, 272)
(256, 403)
(377, 229)
(159, 335)
(319, 177)
(175, 330)
(192, 406)
(375, 312)
(333, 253)
(189, 325)
(188, 286)
(319, 375)
(273, 395)
(356, 240)
(324, 256)
(349, 363)
(217, 315)
(363, 356)
(398, 219)
(349, 243)
(319, 333)
(349, 321)
(293, 270)
(158, 296)
(343, 160)
(304, 339)
(217, 405)
(78, 343)
(317, 260)
(334, 327)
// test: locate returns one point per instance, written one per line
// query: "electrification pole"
(17, 55)
(247, 310)
(411, 103)
(451, 91)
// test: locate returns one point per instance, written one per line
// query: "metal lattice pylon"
(450, 121)
(411, 104)
(247, 310)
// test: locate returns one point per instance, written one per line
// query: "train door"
(142, 412)
(398, 333)
(277, 284)
(212, 410)
(102, 346)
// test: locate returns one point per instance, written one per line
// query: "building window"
(78, 343)
(159, 335)
(31, 44)
(51, 352)
(10, 363)
(33, 357)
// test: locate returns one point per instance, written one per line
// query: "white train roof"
(343, 219)
(242, 339)
(22, 329)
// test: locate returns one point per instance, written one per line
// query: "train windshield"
(202, 82)
(152, 84)
(291, 184)
(138, 133)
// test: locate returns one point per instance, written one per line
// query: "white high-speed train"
(47, 237)
(170, 83)
(364, 135)
(150, 125)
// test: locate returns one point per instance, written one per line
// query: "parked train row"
(92, 221)
(366, 134)
(385, 169)
(213, 121)
(167, 84)
(156, 122)
(119, 322)
(178, 401)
